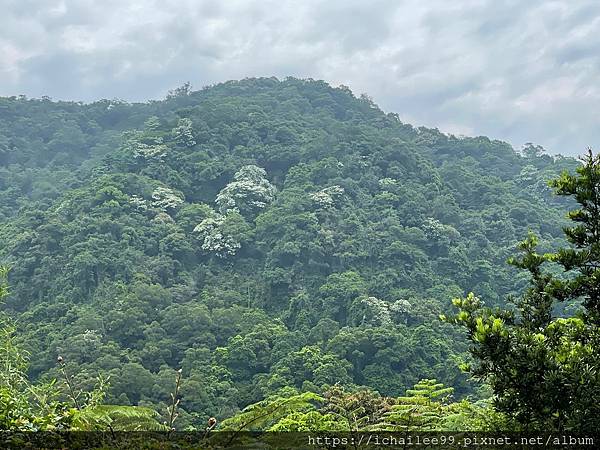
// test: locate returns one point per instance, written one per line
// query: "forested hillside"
(259, 235)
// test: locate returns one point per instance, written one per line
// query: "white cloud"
(513, 70)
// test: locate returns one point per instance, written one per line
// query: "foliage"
(183, 133)
(423, 408)
(426, 407)
(249, 192)
(264, 414)
(117, 418)
(584, 236)
(165, 199)
(222, 234)
(328, 237)
(24, 406)
(544, 370)
(356, 411)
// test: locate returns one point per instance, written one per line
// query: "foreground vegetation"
(285, 251)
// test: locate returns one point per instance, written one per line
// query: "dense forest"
(286, 245)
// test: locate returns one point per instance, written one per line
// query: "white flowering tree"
(327, 197)
(183, 133)
(222, 235)
(439, 235)
(146, 144)
(248, 193)
(138, 203)
(143, 147)
(368, 310)
(166, 199)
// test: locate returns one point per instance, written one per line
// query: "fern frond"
(118, 418)
(263, 414)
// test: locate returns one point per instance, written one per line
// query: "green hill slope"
(258, 234)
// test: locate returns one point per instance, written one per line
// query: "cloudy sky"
(520, 71)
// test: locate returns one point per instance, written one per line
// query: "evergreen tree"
(584, 258)
(545, 370)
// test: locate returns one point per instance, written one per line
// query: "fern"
(117, 418)
(261, 415)
(356, 410)
(423, 408)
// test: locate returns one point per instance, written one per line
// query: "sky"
(518, 71)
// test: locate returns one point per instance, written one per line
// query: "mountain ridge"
(340, 235)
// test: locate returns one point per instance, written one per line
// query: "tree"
(165, 199)
(339, 291)
(268, 412)
(249, 192)
(182, 91)
(545, 370)
(422, 408)
(368, 211)
(355, 411)
(532, 151)
(23, 405)
(222, 235)
(183, 133)
(147, 144)
(584, 258)
(310, 367)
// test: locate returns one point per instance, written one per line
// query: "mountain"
(259, 234)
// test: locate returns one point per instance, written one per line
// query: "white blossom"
(143, 147)
(91, 338)
(215, 239)
(326, 198)
(164, 198)
(92, 335)
(528, 174)
(400, 306)
(183, 133)
(438, 232)
(248, 192)
(138, 202)
(383, 313)
(379, 309)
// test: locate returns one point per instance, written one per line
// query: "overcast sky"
(520, 71)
